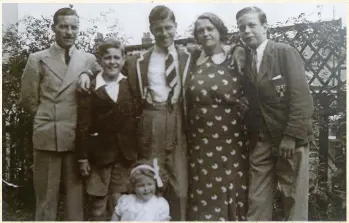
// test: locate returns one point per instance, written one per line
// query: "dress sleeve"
(164, 210)
(120, 206)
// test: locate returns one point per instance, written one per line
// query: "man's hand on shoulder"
(84, 82)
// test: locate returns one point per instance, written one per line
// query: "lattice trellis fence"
(322, 47)
(323, 50)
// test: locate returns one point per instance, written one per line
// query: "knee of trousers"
(98, 209)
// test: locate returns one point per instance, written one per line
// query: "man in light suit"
(48, 92)
(278, 121)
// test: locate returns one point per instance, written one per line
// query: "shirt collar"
(62, 50)
(171, 49)
(260, 49)
(216, 58)
(100, 82)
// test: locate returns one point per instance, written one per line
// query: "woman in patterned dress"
(217, 151)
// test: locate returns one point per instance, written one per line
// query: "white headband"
(155, 170)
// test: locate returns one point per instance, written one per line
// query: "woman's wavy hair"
(216, 22)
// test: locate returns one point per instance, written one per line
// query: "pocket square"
(94, 134)
(277, 77)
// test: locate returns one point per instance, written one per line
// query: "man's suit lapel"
(122, 91)
(54, 62)
(267, 61)
(75, 65)
(142, 65)
(102, 94)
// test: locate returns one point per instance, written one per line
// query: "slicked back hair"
(63, 12)
(161, 12)
(261, 15)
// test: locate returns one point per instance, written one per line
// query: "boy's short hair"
(63, 12)
(161, 12)
(110, 43)
(261, 15)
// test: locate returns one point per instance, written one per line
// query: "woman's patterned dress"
(217, 151)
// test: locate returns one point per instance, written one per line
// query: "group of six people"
(200, 133)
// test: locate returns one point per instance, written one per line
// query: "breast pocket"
(279, 84)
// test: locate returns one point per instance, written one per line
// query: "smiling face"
(112, 62)
(206, 33)
(252, 31)
(164, 32)
(145, 188)
(66, 30)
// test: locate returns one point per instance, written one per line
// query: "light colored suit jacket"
(48, 92)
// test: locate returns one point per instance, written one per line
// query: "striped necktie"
(171, 78)
(171, 74)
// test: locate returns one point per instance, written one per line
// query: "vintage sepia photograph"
(214, 111)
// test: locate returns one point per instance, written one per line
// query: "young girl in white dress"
(145, 203)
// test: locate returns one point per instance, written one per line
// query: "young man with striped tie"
(156, 79)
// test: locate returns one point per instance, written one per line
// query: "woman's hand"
(238, 58)
(243, 104)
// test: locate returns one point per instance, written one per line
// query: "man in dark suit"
(48, 92)
(278, 121)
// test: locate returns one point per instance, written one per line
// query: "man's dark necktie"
(66, 56)
(254, 64)
(171, 78)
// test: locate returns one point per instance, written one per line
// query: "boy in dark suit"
(278, 120)
(106, 131)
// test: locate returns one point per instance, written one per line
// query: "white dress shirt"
(112, 88)
(157, 89)
(260, 52)
(62, 51)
